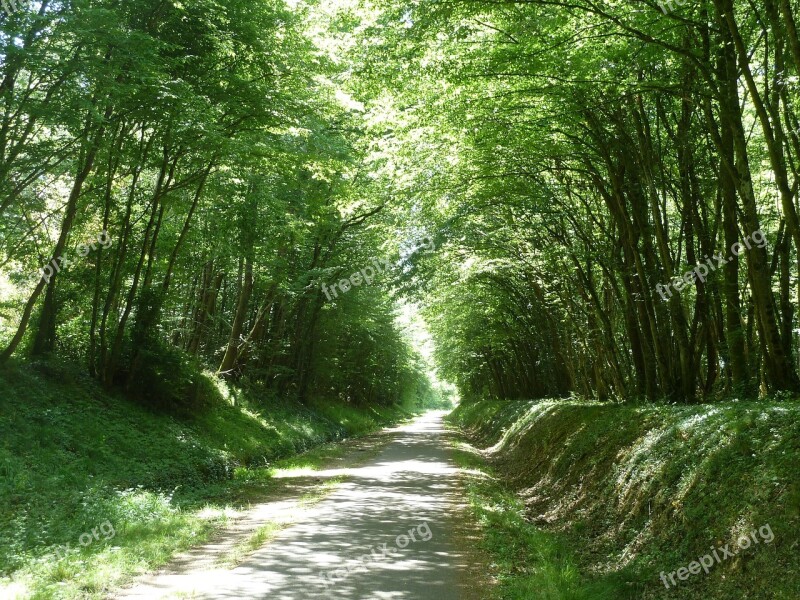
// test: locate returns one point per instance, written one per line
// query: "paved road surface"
(395, 514)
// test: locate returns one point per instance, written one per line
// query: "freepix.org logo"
(12, 6)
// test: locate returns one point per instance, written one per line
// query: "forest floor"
(384, 519)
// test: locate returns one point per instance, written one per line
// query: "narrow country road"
(390, 531)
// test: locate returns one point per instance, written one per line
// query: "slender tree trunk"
(232, 351)
(87, 163)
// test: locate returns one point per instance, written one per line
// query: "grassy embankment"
(586, 501)
(74, 459)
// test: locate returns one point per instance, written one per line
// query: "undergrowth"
(634, 491)
(528, 562)
(73, 457)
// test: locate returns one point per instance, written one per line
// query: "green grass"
(527, 562)
(631, 491)
(263, 534)
(254, 541)
(73, 457)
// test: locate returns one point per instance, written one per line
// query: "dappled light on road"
(393, 515)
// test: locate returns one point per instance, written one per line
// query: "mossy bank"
(598, 501)
(75, 459)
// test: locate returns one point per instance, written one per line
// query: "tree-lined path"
(407, 495)
(233, 233)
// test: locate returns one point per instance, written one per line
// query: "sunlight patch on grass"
(265, 533)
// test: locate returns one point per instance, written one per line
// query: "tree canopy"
(608, 191)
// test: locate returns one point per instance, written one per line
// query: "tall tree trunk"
(229, 361)
(87, 163)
